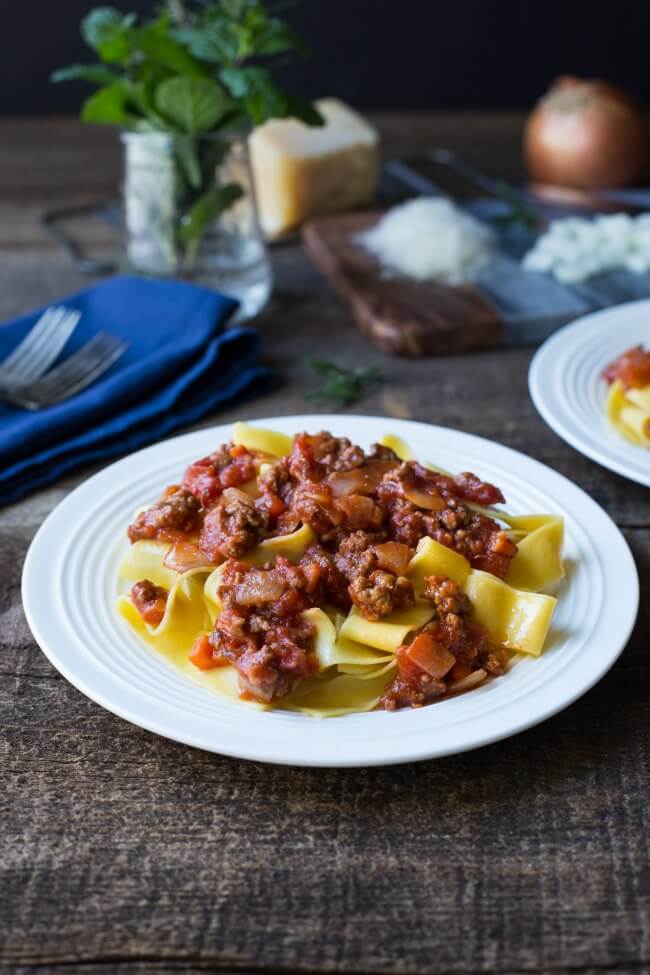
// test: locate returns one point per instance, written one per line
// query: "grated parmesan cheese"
(574, 249)
(429, 238)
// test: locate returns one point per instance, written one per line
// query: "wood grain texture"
(124, 853)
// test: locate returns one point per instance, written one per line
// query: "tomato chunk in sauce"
(447, 650)
(150, 601)
(632, 368)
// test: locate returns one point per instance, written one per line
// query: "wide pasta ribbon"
(515, 619)
(628, 410)
(258, 438)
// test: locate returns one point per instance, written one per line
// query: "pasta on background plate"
(628, 400)
(308, 574)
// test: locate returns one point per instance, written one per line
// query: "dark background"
(413, 54)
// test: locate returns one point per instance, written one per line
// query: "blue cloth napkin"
(180, 365)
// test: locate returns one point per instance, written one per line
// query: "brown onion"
(423, 499)
(184, 556)
(467, 683)
(393, 557)
(259, 586)
(359, 480)
(587, 135)
(344, 483)
(359, 511)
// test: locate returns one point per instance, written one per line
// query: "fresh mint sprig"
(187, 70)
(199, 67)
(343, 386)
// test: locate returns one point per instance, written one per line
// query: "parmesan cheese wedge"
(302, 171)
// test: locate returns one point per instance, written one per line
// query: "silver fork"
(35, 354)
(81, 369)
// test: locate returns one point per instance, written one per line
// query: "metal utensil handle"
(51, 222)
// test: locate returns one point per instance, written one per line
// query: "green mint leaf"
(204, 212)
(325, 368)
(262, 97)
(276, 38)
(235, 8)
(304, 111)
(96, 74)
(237, 80)
(108, 106)
(369, 374)
(264, 100)
(192, 104)
(187, 155)
(141, 95)
(108, 31)
(155, 43)
(215, 44)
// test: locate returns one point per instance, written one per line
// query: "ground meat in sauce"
(368, 510)
(446, 596)
(314, 457)
(319, 563)
(171, 518)
(232, 527)
(452, 633)
(379, 593)
(230, 466)
(261, 630)
(372, 586)
(335, 453)
(277, 479)
(150, 601)
(477, 537)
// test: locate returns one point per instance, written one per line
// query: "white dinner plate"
(70, 587)
(567, 388)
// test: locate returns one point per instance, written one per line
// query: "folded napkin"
(180, 365)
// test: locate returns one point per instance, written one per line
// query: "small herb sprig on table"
(343, 386)
(518, 213)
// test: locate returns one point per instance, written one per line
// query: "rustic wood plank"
(524, 854)
(126, 853)
(161, 967)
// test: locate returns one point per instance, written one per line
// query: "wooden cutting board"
(402, 316)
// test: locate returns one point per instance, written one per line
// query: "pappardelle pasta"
(628, 400)
(308, 574)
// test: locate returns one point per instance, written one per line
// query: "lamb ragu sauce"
(632, 368)
(368, 510)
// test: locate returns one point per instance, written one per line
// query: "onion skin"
(587, 135)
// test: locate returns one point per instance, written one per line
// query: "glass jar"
(190, 213)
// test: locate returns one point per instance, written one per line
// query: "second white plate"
(568, 391)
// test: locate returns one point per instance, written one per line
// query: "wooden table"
(122, 852)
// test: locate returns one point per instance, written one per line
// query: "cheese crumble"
(429, 238)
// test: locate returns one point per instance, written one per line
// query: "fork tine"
(51, 347)
(79, 370)
(76, 365)
(19, 367)
(32, 338)
(110, 358)
(38, 350)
